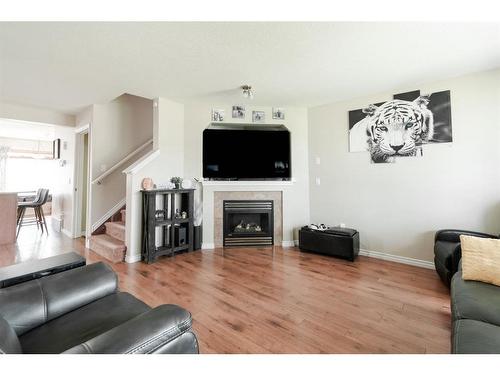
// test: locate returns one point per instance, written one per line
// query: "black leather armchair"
(82, 311)
(447, 251)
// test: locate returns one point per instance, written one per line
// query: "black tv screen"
(246, 153)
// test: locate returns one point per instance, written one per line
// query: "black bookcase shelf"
(161, 229)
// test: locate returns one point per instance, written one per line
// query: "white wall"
(84, 117)
(62, 194)
(117, 129)
(33, 114)
(62, 197)
(165, 161)
(296, 207)
(398, 207)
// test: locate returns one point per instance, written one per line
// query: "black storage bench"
(336, 241)
(35, 269)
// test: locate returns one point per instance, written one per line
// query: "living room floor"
(274, 300)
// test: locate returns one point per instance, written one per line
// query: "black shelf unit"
(159, 222)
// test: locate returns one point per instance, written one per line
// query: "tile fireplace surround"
(221, 196)
(288, 215)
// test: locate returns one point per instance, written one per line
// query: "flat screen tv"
(246, 152)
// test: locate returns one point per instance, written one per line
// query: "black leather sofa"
(447, 251)
(475, 311)
(82, 311)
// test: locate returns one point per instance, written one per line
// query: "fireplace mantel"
(212, 210)
(248, 183)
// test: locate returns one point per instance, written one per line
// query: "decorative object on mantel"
(258, 116)
(147, 183)
(177, 181)
(218, 115)
(247, 91)
(278, 114)
(399, 127)
(238, 111)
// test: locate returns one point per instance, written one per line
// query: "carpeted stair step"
(115, 229)
(108, 247)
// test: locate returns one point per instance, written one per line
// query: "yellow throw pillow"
(481, 259)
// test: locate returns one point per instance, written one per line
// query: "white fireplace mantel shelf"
(248, 183)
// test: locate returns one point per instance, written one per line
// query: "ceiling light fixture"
(247, 91)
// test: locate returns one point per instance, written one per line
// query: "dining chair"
(37, 205)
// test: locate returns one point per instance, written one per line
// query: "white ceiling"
(66, 66)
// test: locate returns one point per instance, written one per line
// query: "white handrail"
(141, 162)
(99, 179)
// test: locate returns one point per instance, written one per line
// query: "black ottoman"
(336, 241)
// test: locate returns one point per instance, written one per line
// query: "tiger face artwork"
(397, 128)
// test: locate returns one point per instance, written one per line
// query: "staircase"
(111, 243)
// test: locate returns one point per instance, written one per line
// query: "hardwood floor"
(33, 244)
(274, 300)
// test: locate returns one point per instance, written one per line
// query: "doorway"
(82, 182)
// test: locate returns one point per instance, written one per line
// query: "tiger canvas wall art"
(399, 127)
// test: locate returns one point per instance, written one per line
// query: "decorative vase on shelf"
(147, 184)
(177, 181)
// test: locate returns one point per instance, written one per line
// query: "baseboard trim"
(397, 259)
(133, 258)
(67, 233)
(368, 253)
(113, 210)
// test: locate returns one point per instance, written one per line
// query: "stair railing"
(101, 177)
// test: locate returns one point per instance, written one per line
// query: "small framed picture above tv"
(258, 116)
(239, 111)
(56, 148)
(217, 115)
(278, 114)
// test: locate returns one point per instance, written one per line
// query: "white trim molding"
(248, 183)
(287, 243)
(108, 214)
(139, 164)
(132, 258)
(207, 246)
(78, 184)
(397, 259)
(67, 233)
(82, 129)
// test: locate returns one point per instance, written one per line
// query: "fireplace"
(248, 223)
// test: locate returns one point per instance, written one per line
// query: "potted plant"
(177, 181)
